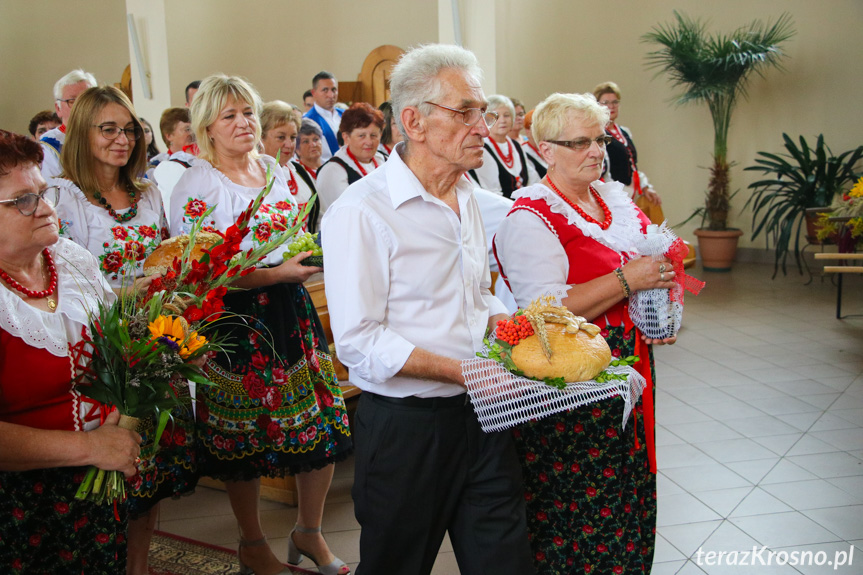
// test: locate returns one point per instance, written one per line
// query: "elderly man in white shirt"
(66, 91)
(407, 282)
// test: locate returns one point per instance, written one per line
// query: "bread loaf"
(162, 258)
(575, 356)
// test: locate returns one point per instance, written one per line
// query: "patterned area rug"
(174, 555)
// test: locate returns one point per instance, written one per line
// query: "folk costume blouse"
(202, 186)
(37, 347)
(120, 247)
(528, 235)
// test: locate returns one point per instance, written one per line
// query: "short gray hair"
(310, 127)
(71, 78)
(414, 79)
(554, 114)
(496, 101)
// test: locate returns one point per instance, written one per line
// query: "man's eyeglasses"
(470, 116)
(28, 203)
(112, 132)
(68, 102)
(583, 143)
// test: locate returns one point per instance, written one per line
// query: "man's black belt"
(421, 402)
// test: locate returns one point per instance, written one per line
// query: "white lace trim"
(79, 287)
(624, 233)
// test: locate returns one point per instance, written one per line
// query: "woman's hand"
(645, 273)
(666, 341)
(141, 284)
(113, 448)
(652, 197)
(291, 271)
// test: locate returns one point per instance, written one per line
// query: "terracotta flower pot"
(717, 248)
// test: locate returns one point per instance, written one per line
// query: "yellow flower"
(192, 344)
(857, 190)
(170, 327)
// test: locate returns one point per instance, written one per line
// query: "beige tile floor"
(760, 435)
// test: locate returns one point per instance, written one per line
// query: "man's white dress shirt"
(402, 270)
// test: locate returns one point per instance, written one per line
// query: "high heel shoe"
(245, 569)
(295, 554)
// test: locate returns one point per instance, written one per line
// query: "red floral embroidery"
(195, 208)
(119, 233)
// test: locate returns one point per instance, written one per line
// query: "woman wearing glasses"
(621, 159)
(504, 168)
(590, 485)
(48, 288)
(106, 207)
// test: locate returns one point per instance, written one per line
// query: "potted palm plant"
(797, 185)
(715, 69)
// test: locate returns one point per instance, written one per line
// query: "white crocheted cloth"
(502, 400)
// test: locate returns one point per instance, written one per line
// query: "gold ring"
(662, 276)
(662, 268)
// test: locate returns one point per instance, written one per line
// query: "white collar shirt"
(332, 118)
(402, 270)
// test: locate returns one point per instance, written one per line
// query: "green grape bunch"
(304, 242)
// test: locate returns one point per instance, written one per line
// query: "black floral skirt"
(44, 530)
(591, 498)
(169, 469)
(275, 407)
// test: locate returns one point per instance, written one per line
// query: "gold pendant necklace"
(52, 303)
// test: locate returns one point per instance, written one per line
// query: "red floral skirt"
(44, 530)
(276, 407)
(591, 498)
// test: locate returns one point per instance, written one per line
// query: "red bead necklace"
(360, 166)
(604, 225)
(312, 172)
(52, 284)
(292, 183)
(509, 159)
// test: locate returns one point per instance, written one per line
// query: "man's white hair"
(71, 78)
(414, 79)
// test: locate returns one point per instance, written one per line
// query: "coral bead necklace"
(46, 293)
(509, 158)
(603, 225)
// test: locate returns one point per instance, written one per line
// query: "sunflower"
(172, 331)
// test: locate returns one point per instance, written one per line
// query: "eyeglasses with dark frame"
(28, 203)
(112, 132)
(68, 102)
(583, 143)
(470, 116)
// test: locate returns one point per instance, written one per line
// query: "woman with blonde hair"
(109, 209)
(276, 408)
(590, 485)
(279, 128)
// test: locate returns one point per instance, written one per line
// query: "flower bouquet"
(850, 208)
(143, 347)
(544, 360)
